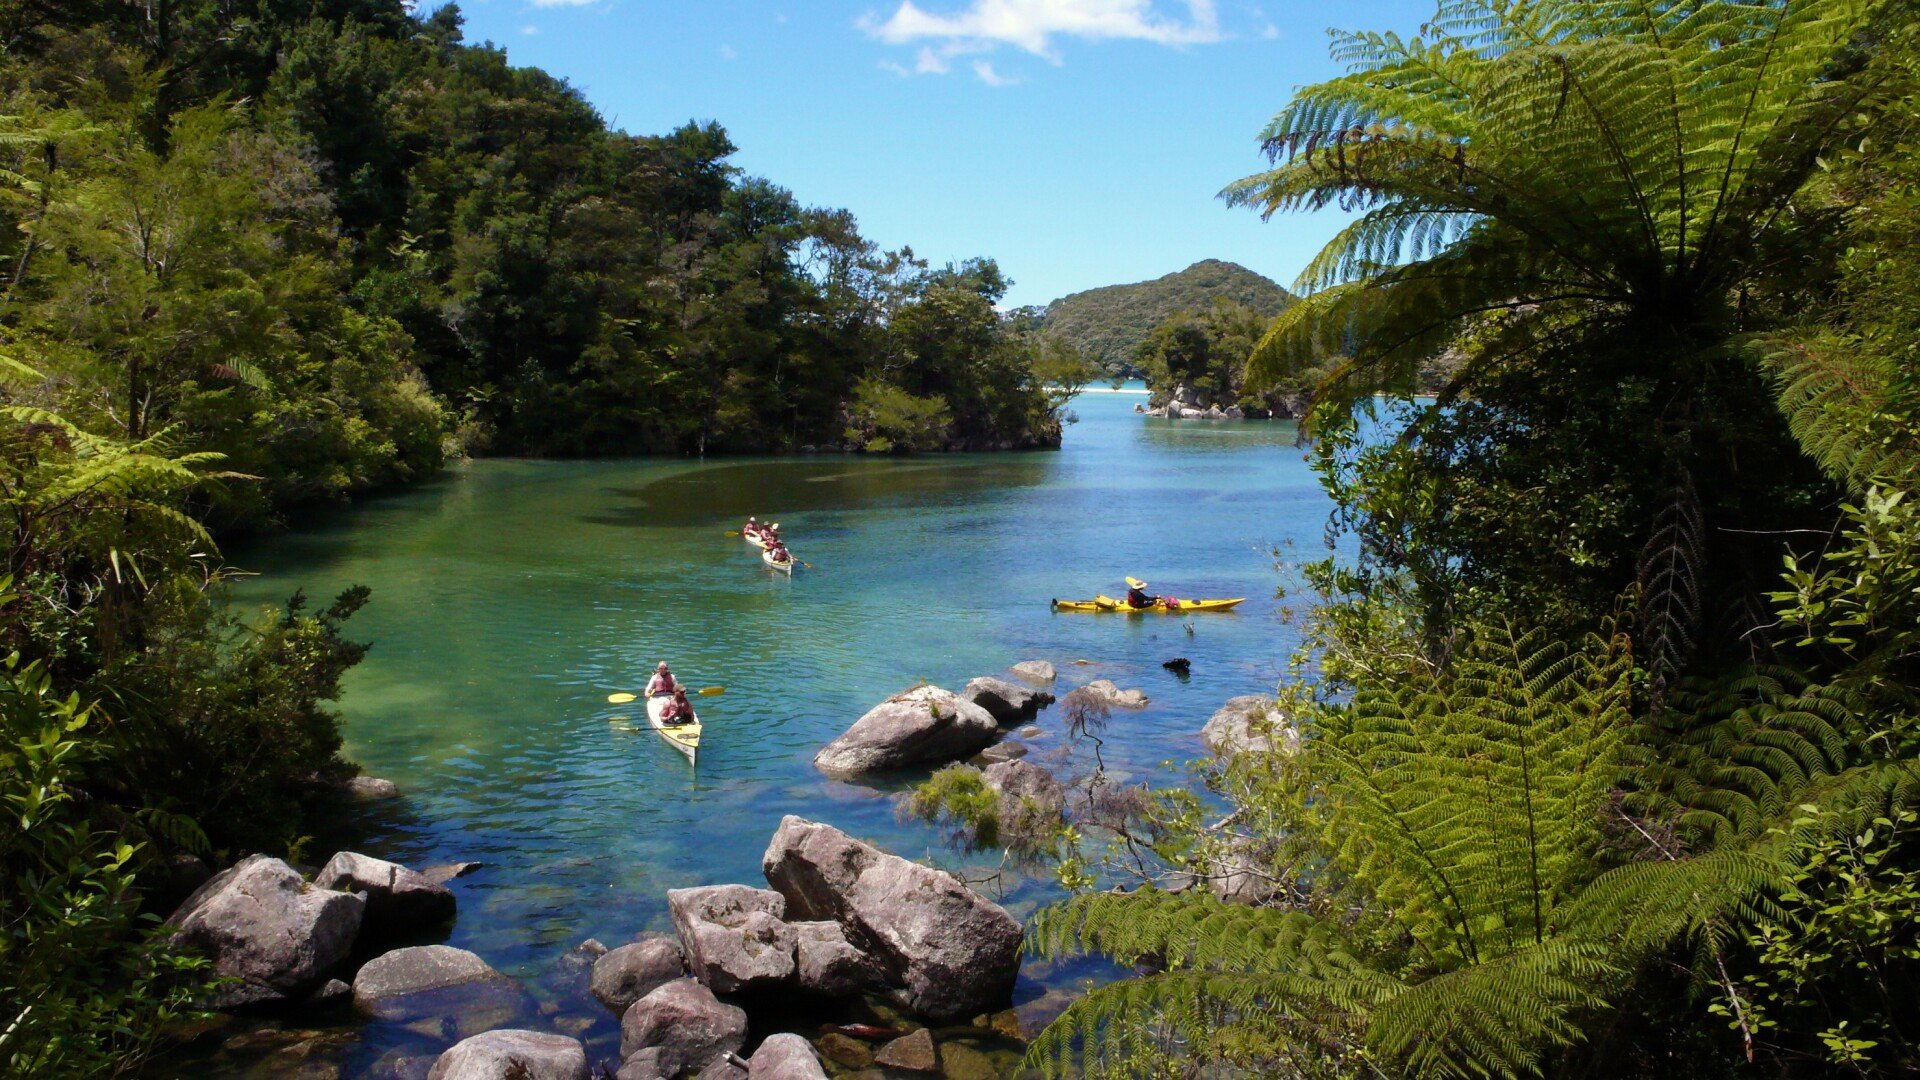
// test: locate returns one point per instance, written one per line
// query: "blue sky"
(1079, 142)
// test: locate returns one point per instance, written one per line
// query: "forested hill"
(1110, 322)
(332, 241)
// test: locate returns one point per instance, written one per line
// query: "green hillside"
(1111, 322)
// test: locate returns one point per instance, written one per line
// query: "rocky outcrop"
(1252, 722)
(785, 1057)
(685, 1023)
(274, 935)
(624, 975)
(1038, 672)
(1106, 692)
(946, 951)
(735, 937)
(827, 964)
(923, 725)
(1004, 701)
(399, 901)
(513, 1055)
(434, 981)
(1025, 780)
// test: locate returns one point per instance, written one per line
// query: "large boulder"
(947, 951)
(276, 936)
(734, 936)
(785, 1057)
(399, 901)
(1025, 780)
(827, 964)
(1009, 703)
(923, 725)
(625, 975)
(1034, 671)
(1252, 722)
(1107, 692)
(511, 1054)
(685, 1023)
(438, 982)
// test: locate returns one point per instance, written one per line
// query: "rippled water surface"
(511, 597)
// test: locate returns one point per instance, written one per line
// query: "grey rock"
(1002, 751)
(947, 951)
(439, 983)
(513, 1055)
(724, 1067)
(734, 936)
(399, 901)
(630, 972)
(369, 788)
(785, 1057)
(684, 1021)
(331, 992)
(444, 872)
(910, 1053)
(1238, 879)
(277, 936)
(1034, 671)
(648, 1064)
(827, 964)
(1009, 703)
(923, 725)
(1235, 412)
(1252, 722)
(1031, 732)
(1106, 691)
(1025, 780)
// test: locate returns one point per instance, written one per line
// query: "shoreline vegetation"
(1602, 756)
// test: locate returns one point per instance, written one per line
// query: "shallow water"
(511, 597)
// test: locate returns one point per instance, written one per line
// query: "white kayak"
(755, 540)
(786, 567)
(682, 737)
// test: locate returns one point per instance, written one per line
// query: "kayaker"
(662, 681)
(679, 710)
(779, 552)
(1137, 594)
(751, 528)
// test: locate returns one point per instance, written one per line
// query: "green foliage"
(86, 990)
(1110, 324)
(1205, 350)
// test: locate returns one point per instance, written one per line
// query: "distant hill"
(1111, 321)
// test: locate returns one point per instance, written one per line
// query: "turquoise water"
(511, 597)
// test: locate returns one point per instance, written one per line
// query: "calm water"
(511, 597)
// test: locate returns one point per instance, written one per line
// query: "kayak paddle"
(705, 691)
(733, 532)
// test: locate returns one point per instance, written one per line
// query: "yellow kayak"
(1171, 607)
(682, 737)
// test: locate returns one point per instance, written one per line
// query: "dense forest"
(1602, 755)
(1110, 324)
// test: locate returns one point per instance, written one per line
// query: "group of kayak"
(1138, 601)
(773, 550)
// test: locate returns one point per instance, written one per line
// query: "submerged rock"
(1002, 751)
(1112, 695)
(441, 984)
(1034, 671)
(912, 1053)
(630, 972)
(444, 872)
(946, 950)
(923, 725)
(785, 1057)
(513, 1055)
(734, 936)
(1251, 722)
(685, 1023)
(1004, 701)
(399, 901)
(276, 936)
(369, 788)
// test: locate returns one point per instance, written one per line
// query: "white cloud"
(529, 30)
(1032, 25)
(727, 52)
(989, 76)
(562, 3)
(1269, 32)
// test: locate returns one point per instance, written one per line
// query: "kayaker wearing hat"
(1137, 594)
(662, 681)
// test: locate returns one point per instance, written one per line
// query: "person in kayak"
(779, 551)
(662, 681)
(679, 710)
(751, 528)
(1137, 594)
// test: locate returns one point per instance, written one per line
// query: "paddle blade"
(733, 532)
(711, 691)
(620, 699)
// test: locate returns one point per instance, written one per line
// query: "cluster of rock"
(928, 725)
(1187, 403)
(840, 918)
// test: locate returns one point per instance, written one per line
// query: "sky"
(1078, 142)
